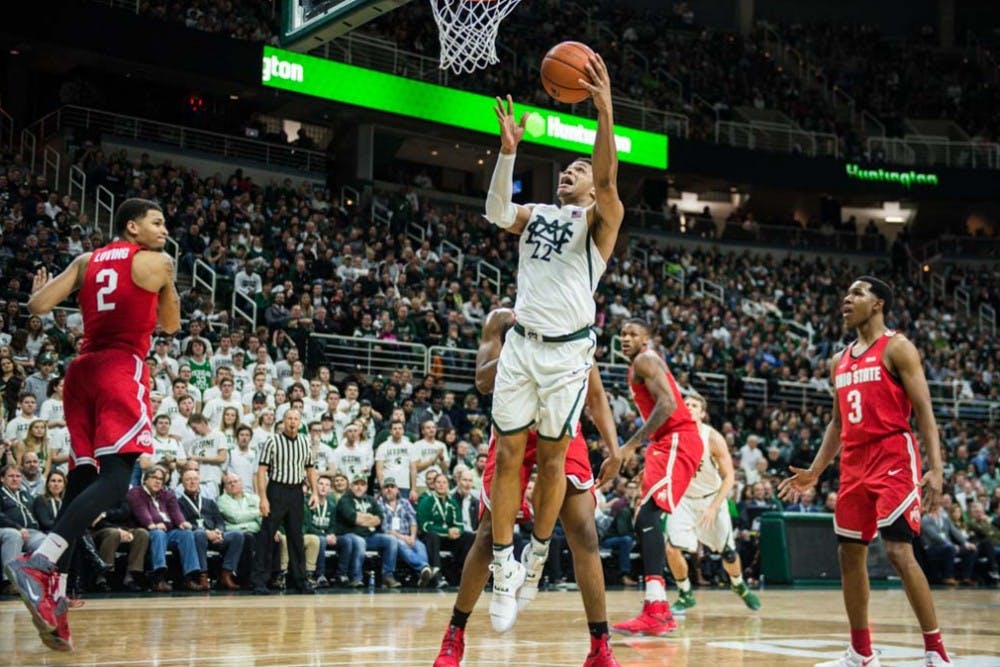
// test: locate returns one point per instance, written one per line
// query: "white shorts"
(542, 385)
(684, 532)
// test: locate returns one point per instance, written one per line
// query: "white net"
(468, 32)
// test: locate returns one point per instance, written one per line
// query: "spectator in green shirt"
(441, 528)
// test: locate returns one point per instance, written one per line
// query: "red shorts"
(671, 464)
(879, 483)
(578, 471)
(107, 406)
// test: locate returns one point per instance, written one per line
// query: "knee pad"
(729, 555)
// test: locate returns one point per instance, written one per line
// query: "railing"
(77, 184)
(842, 101)
(174, 250)
(204, 277)
(486, 271)
(51, 160)
(939, 286)
(455, 366)
(370, 356)
(962, 301)
(918, 149)
(988, 318)
(104, 206)
(798, 329)
(349, 196)
(126, 5)
(381, 213)
(452, 250)
(633, 114)
(776, 137)
(613, 375)
(870, 125)
(28, 145)
(140, 129)
(711, 290)
(6, 131)
(415, 232)
(615, 350)
(244, 307)
(363, 50)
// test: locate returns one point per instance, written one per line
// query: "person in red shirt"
(126, 289)
(879, 382)
(672, 457)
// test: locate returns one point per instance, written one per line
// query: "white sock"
(684, 585)
(504, 554)
(61, 587)
(655, 592)
(52, 548)
(540, 548)
(736, 581)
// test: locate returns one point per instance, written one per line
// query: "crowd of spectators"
(314, 265)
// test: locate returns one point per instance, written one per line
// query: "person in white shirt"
(213, 408)
(430, 454)
(210, 450)
(264, 428)
(259, 386)
(313, 405)
(168, 406)
(349, 404)
(323, 375)
(328, 434)
(750, 454)
(263, 364)
(224, 372)
(340, 419)
(179, 428)
(166, 366)
(354, 458)
(243, 457)
(54, 416)
(321, 453)
(17, 427)
(396, 458)
(296, 377)
(184, 373)
(167, 451)
(247, 282)
(224, 355)
(241, 376)
(283, 369)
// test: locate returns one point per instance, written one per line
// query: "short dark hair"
(639, 322)
(880, 289)
(133, 209)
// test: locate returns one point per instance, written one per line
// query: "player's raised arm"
(904, 361)
(500, 208)
(497, 323)
(609, 210)
(48, 292)
(653, 372)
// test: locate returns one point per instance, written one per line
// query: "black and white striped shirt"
(287, 458)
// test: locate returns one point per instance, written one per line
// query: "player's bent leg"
(475, 574)
(679, 568)
(505, 499)
(734, 568)
(655, 618)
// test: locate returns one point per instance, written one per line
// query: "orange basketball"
(562, 68)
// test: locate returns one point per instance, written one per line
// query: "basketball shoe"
(935, 659)
(508, 577)
(750, 599)
(58, 639)
(534, 564)
(600, 654)
(35, 579)
(685, 600)
(452, 648)
(852, 658)
(655, 620)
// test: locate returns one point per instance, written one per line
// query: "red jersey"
(679, 420)
(117, 313)
(873, 404)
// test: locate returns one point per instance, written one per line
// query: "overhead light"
(458, 145)
(895, 218)
(234, 96)
(434, 153)
(15, 52)
(489, 152)
(479, 161)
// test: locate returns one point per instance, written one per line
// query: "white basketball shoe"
(852, 658)
(508, 577)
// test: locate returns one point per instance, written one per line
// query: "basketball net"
(468, 32)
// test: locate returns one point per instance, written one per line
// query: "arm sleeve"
(500, 210)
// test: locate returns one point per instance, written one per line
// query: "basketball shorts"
(879, 483)
(670, 465)
(542, 385)
(107, 406)
(578, 471)
(684, 532)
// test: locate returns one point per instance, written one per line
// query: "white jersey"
(558, 269)
(707, 480)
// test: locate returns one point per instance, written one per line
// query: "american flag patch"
(576, 213)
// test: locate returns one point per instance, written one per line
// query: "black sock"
(459, 618)
(598, 630)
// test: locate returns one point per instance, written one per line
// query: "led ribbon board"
(339, 82)
(907, 179)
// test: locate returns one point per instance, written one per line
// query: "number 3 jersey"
(117, 313)
(559, 267)
(873, 404)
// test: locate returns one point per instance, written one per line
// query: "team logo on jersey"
(548, 236)
(145, 439)
(915, 514)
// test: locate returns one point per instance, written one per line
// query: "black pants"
(458, 547)
(286, 509)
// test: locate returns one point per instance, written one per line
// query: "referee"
(286, 461)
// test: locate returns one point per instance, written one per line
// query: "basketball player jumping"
(577, 511)
(126, 287)
(702, 515)
(672, 457)
(544, 365)
(879, 381)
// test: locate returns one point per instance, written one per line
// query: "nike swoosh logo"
(895, 472)
(865, 663)
(32, 595)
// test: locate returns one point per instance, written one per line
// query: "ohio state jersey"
(117, 313)
(679, 420)
(873, 404)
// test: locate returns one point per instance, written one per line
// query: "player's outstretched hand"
(610, 468)
(599, 84)
(40, 280)
(511, 130)
(792, 487)
(932, 481)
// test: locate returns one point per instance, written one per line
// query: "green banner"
(367, 88)
(905, 178)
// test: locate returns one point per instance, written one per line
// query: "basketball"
(562, 68)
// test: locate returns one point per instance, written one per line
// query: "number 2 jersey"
(873, 404)
(117, 313)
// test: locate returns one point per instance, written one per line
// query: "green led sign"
(905, 178)
(367, 88)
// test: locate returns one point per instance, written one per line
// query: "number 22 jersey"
(873, 404)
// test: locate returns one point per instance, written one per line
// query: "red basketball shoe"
(600, 654)
(452, 648)
(35, 577)
(654, 620)
(59, 639)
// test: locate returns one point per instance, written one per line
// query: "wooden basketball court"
(795, 627)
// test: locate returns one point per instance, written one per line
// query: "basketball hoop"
(468, 32)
